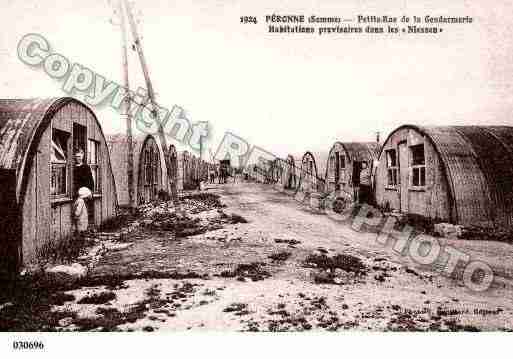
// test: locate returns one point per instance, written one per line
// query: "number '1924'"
(248, 19)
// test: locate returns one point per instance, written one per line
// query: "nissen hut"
(185, 171)
(151, 181)
(152, 178)
(342, 159)
(313, 172)
(462, 175)
(38, 138)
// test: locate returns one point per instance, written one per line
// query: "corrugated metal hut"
(459, 174)
(185, 170)
(152, 171)
(341, 159)
(37, 141)
(313, 171)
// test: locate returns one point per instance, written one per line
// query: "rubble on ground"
(167, 217)
(192, 203)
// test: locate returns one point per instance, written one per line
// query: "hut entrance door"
(403, 174)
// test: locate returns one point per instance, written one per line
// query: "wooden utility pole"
(151, 97)
(126, 112)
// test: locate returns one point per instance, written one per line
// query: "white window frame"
(392, 170)
(420, 168)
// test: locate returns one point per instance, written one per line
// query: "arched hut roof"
(22, 122)
(320, 160)
(478, 165)
(362, 151)
(162, 161)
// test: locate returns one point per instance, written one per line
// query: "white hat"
(84, 192)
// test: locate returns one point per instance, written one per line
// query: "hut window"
(392, 169)
(59, 163)
(93, 155)
(418, 164)
(79, 136)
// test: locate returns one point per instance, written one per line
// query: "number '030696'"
(248, 20)
(27, 345)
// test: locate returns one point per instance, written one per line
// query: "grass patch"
(280, 256)
(252, 270)
(238, 309)
(98, 298)
(66, 250)
(341, 261)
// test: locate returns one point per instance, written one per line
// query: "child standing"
(80, 214)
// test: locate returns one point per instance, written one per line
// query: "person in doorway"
(80, 214)
(82, 175)
(82, 179)
(365, 183)
(355, 179)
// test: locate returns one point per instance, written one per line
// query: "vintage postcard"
(214, 166)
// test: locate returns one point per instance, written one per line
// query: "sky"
(284, 93)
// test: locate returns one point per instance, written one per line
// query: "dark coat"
(82, 177)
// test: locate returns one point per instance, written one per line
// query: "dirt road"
(286, 269)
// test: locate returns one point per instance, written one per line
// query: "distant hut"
(455, 174)
(173, 161)
(313, 171)
(150, 173)
(152, 180)
(186, 170)
(342, 157)
(37, 141)
(289, 173)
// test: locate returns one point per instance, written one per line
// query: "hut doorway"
(403, 175)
